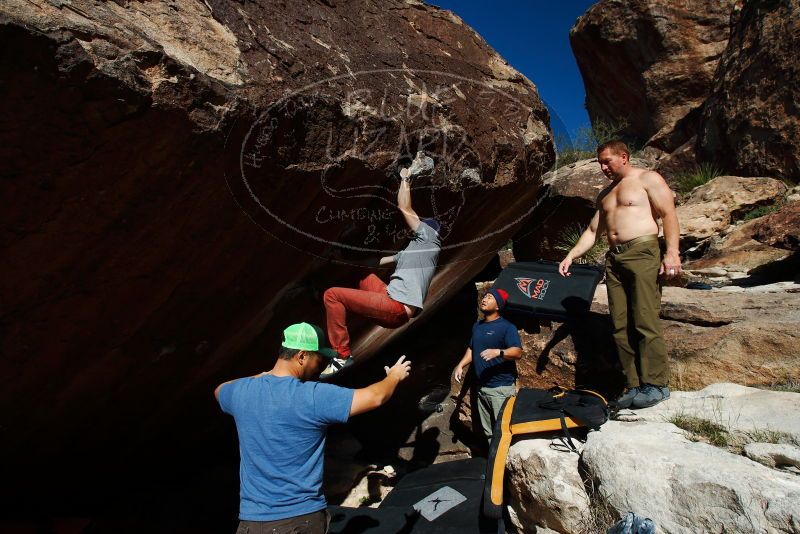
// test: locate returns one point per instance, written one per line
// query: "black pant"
(313, 523)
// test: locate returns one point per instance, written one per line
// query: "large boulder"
(760, 249)
(652, 469)
(713, 206)
(545, 489)
(179, 171)
(751, 121)
(736, 252)
(732, 334)
(655, 462)
(650, 63)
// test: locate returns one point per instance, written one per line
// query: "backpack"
(534, 411)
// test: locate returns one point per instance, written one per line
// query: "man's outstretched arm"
(370, 397)
(404, 204)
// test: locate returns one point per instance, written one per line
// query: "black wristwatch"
(502, 354)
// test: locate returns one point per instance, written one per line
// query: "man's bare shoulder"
(603, 194)
(651, 178)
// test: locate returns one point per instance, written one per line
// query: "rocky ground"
(722, 459)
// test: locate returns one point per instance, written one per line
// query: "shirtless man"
(627, 212)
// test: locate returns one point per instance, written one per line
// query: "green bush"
(569, 237)
(587, 139)
(760, 211)
(701, 174)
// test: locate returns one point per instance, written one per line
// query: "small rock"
(422, 165)
(780, 455)
(473, 175)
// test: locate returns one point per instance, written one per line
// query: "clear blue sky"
(533, 36)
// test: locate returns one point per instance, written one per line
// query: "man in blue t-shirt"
(281, 418)
(494, 349)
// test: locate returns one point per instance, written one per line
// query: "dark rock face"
(780, 229)
(177, 173)
(751, 121)
(650, 64)
(702, 81)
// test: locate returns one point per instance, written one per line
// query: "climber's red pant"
(369, 300)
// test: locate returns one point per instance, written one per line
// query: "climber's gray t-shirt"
(415, 267)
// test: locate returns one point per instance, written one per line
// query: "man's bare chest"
(625, 196)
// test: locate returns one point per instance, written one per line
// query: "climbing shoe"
(650, 395)
(336, 365)
(625, 400)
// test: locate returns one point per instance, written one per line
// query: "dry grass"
(706, 431)
(791, 386)
(770, 436)
(602, 515)
(703, 430)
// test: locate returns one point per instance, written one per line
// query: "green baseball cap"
(304, 336)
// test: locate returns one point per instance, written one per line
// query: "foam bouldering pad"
(537, 288)
(442, 498)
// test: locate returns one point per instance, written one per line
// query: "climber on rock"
(392, 305)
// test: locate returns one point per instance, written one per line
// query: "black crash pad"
(536, 288)
(443, 498)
